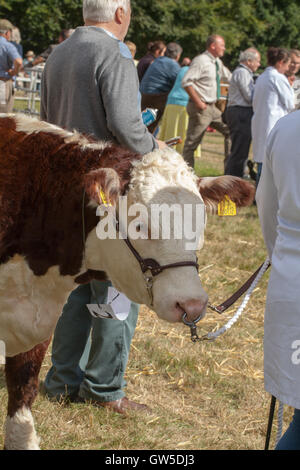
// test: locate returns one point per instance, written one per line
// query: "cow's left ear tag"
(226, 207)
(103, 198)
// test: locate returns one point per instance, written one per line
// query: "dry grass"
(207, 395)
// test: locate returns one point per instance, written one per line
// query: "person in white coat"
(273, 98)
(278, 203)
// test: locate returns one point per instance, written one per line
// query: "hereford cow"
(51, 182)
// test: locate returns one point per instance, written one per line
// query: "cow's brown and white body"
(50, 182)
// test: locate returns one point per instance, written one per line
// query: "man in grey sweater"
(90, 84)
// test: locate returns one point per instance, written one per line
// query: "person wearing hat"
(10, 65)
(29, 57)
(27, 63)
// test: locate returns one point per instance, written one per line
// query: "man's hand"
(161, 144)
(17, 67)
(201, 105)
(195, 98)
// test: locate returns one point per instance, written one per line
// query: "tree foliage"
(259, 23)
(40, 21)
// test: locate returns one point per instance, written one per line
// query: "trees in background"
(259, 23)
(40, 21)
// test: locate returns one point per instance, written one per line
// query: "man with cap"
(29, 57)
(10, 65)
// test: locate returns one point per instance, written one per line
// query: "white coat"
(278, 202)
(273, 98)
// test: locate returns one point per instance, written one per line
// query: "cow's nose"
(194, 308)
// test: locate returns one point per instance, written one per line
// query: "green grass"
(21, 105)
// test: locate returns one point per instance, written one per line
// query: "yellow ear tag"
(226, 207)
(103, 197)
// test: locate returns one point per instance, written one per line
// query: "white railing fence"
(27, 89)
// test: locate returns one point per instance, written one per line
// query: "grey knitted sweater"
(90, 84)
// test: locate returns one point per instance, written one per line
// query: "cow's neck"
(42, 192)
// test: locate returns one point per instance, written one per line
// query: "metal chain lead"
(213, 335)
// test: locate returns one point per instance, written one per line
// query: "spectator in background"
(16, 40)
(29, 57)
(10, 65)
(40, 59)
(294, 66)
(273, 98)
(202, 82)
(132, 47)
(175, 118)
(239, 111)
(155, 49)
(159, 80)
(292, 75)
(186, 61)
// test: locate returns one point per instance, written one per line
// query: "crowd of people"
(187, 96)
(189, 100)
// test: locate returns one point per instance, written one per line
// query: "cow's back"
(41, 186)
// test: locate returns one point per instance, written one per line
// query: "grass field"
(208, 395)
(24, 103)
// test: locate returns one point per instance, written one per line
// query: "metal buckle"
(149, 285)
(216, 309)
(193, 327)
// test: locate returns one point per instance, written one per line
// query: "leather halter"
(146, 264)
(150, 264)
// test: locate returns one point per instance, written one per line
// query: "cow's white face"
(160, 178)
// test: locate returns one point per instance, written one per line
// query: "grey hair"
(15, 35)
(248, 54)
(102, 11)
(296, 52)
(172, 50)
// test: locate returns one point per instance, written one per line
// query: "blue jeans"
(89, 355)
(291, 438)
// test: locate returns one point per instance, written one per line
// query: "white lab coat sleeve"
(285, 93)
(267, 200)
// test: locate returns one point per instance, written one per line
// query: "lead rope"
(213, 335)
(279, 422)
(270, 422)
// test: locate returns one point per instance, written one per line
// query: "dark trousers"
(238, 119)
(291, 438)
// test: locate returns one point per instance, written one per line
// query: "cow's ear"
(102, 186)
(214, 189)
